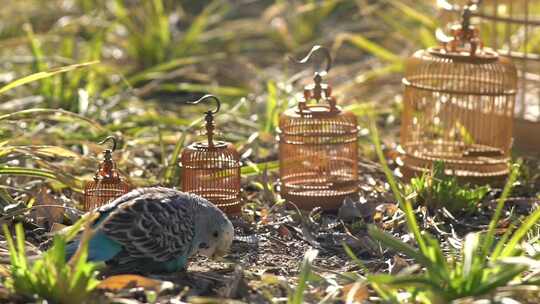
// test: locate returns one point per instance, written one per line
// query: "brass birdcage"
(318, 148)
(211, 169)
(512, 28)
(107, 183)
(458, 108)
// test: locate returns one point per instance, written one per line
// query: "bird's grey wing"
(148, 227)
(111, 206)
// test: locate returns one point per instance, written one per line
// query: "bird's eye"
(215, 234)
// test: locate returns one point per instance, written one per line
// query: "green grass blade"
(13, 255)
(271, 105)
(52, 114)
(209, 89)
(489, 238)
(198, 26)
(414, 14)
(27, 172)
(369, 46)
(399, 246)
(298, 295)
(511, 247)
(404, 203)
(42, 75)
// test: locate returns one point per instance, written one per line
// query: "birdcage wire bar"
(213, 173)
(212, 168)
(512, 28)
(458, 108)
(107, 183)
(99, 193)
(318, 157)
(318, 147)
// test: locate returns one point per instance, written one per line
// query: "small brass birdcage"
(107, 183)
(458, 108)
(512, 27)
(211, 169)
(318, 148)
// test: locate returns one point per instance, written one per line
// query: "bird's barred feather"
(153, 225)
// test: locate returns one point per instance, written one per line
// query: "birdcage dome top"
(316, 120)
(220, 155)
(461, 73)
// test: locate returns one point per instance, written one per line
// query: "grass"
(75, 74)
(437, 190)
(476, 270)
(50, 277)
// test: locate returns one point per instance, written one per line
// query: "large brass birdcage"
(458, 108)
(211, 169)
(107, 183)
(318, 151)
(512, 28)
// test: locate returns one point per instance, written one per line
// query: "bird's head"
(216, 233)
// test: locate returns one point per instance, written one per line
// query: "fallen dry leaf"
(49, 213)
(128, 281)
(355, 293)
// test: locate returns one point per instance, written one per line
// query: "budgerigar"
(156, 230)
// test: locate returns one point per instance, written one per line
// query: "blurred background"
(155, 55)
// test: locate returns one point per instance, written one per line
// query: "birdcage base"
(228, 200)
(477, 164)
(309, 190)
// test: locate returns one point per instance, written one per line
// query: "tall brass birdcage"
(107, 183)
(512, 27)
(211, 168)
(318, 150)
(458, 107)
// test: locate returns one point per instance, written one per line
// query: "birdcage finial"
(106, 169)
(209, 117)
(317, 89)
(107, 154)
(465, 35)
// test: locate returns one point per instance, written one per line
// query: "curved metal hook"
(326, 54)
(109, 138)
(205, 97)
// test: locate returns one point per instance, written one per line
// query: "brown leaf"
(355, 293)
(49, 214)
(128, 281)
(398, 264)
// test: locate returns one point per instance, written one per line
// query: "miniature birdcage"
(458, 108)
(512, 29)
(107, 183)
(211, 168)
(318, 148)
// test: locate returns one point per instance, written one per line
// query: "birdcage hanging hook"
(212, 169)
(209, 116)
(318, 146)
(316, 90)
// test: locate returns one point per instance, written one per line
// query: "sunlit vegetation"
(75, 71)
